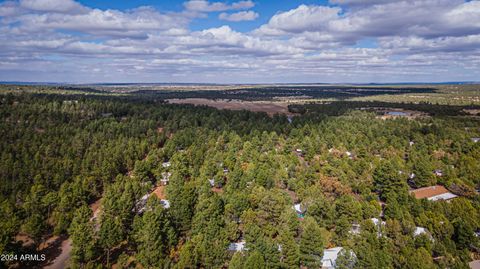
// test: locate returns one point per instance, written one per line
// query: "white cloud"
(301, 19)
(206, 6)
(134, 23)
(60, 6)
(409, 40)
(239, 16)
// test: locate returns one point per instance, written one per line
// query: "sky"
(240, 41)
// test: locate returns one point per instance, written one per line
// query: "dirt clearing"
(270, 108)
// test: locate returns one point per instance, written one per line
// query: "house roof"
(330, 257)
(419, 230)
(237, 246)
(445, 196)
(431, 192)
(299, 208)
(475, 264)
(165, 203)
(377, 221)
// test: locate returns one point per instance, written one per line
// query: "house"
(329, 260)
(356, 228)
(477, 233)
(165, 178)
(165, 203)
(299, 152)
(411, 143)
(300, 210)
(166, 164)
(379, 224)
(438, 172)
(476, 139)
(419, 230)
(140, 206)
(212, 182)
(237, 246)
(433, 193)
(474, 264)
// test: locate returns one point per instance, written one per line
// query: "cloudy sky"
(245, 41)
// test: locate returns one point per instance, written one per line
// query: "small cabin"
(165, 178)
(237, 246)
(300, 210)
(329, 259)
(433, 193)
(419, 230)
(438, 173)
(356, 229)
(165, 203)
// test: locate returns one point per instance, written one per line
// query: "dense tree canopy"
(235, 177)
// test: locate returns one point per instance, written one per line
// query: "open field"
(270, 108)
(446, 94)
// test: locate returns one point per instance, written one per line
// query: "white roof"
(166, 164)
(212, 182)
(330, 257)
(237, 246)
(377, 221)
(165, 203)
(419, 230)
(444, 196)
(166, 176)
(298, 208)
(144, 198)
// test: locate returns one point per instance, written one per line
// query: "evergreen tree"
(255, 261)
(311, 244)
(154, 235)
(387, 179)
(289, 250)
(237, 261)
(82, 235)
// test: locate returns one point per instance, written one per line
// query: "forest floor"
(58, 249)
(270, 108)
(159, 191)
(62, 247)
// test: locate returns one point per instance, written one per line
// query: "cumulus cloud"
(60, 6)
(408, 39)
(239, 16)
(301, 19)
(135, 23)
(206, 6)
(425, 18)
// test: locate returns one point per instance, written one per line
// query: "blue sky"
(240, 41)
(266, 9)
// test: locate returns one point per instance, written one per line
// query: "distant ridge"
(224, 84)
